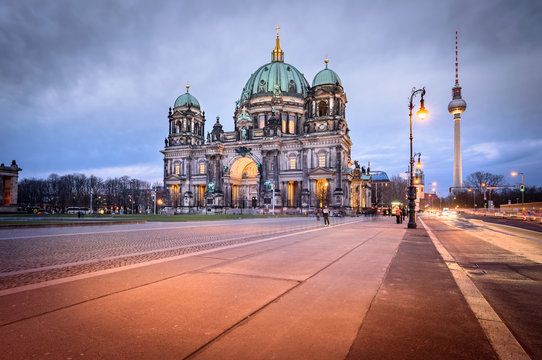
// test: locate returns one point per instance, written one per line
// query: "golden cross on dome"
(277, 28)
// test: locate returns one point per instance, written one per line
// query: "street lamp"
(522, 186)
(422, 114)
(419, 163)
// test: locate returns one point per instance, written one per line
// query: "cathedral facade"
(290, 147)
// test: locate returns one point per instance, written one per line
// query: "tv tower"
(456, 107)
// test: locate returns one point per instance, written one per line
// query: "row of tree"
(480, 195)
(477, 182)
(56, 193)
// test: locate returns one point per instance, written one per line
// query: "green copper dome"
(187, 100)
(275, 78)
(326, 76)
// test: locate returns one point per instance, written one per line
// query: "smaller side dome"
(326, 76)
(187, 100)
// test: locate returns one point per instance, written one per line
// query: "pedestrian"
(399, 216)
(325, 212)
(317, 214)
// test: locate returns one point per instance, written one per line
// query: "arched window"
(292, 87)
(322, 108)
(262, 87)
(177, 168)
(291, 124)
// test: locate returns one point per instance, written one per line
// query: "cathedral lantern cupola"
(277, 55)
(186, 121)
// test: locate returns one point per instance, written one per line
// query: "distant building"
(361, 188)
(290, 146)
(380, 180)
(419, 186)
(9, 177)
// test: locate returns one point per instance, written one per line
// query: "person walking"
(399, 216)
(325, 212)
(317, 214)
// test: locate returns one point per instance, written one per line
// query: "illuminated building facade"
(290, 145)
(9, 176)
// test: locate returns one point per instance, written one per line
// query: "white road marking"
(504, 343)
(110, 231)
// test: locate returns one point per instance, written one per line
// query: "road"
(505, 264)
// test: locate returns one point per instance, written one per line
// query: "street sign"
(492, 187)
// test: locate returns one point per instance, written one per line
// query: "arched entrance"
(322, 192)
(244, 179)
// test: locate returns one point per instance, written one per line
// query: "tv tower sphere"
(457, 105)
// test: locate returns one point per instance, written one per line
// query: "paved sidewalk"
(366, 290)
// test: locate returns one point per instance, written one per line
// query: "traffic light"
(521, 188)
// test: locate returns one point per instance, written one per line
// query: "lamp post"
(474, 197)
(485, 198)
(154, 193)
(422, 113)
(434, 189)
(522, 186)
(273, 197)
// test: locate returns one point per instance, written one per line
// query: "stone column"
(218, 174)
(276, 170)
(208, 169)
(188, 162)
(263, 174)
(338, 161)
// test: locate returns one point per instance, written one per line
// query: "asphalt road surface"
(505, 263)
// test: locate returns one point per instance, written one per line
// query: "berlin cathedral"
(290, 148)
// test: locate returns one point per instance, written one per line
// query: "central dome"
(273, 77)
(276, 78)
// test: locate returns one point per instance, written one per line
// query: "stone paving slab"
(319, 318)
(419, 312)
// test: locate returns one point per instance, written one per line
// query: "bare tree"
(395, 190)
(475, 180)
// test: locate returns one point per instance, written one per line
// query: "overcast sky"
(86, 86)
